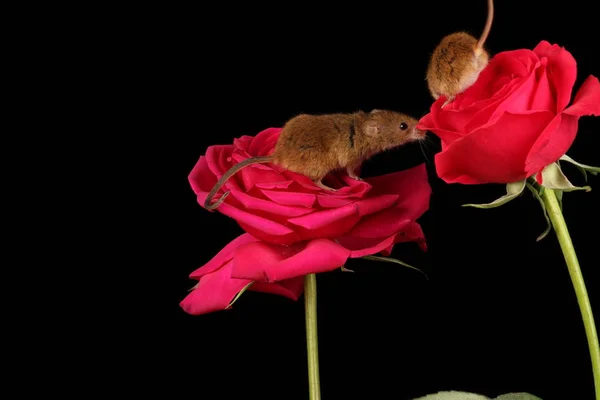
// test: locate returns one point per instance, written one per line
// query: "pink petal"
(333, 202)
(266, 207)
(559, 135)
(562, 71)
(201, 178)
(290, 288)
(381, 225)
(411, 183)
(266, 262)
(360, 247)
(214, 292)
(222, 256)
(264, 142)
(290, 198)
(320, 219)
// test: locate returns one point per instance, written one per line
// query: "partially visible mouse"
(315, 145)
(457, 61)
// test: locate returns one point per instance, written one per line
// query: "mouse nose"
(419, 132)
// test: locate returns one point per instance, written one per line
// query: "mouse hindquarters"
(308, 144)
(455, 65)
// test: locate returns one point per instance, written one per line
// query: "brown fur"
(457, 61)
(315, 145)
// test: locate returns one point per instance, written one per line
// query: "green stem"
(562, 233)
(312, 343)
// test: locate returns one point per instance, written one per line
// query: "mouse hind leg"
(351, 170)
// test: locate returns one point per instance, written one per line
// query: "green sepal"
(581, 167)
(394, 260)
(536, 194)
(553, 178)
(513, 190)
(344, 269)
(237, 296)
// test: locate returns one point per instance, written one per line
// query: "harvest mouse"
(314, 145)
(457, 61)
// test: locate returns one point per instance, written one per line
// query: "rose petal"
(222, 256)
(290, 288)
(266, 262)
(411, 185)
(320, 219)
(587, 99)
(492, 154)
(201, 178)
(360, 247)
(290, 198)
(214, 292)
(562, 71)
(264, 141)
(255, 204)
(413, 232)
(255, 225)
(559, 135)
(542, 97)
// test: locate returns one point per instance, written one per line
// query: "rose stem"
(562, 233)
(312, 344)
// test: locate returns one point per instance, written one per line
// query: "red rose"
(514, 120)
(282, 207)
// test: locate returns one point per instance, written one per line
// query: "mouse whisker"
(424, 153)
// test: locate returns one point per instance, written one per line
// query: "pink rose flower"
(282, 207)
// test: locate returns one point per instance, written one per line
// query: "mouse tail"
(488, 25)
(232, 171)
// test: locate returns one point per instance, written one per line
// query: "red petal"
(562, 71)
(214, 292)
(222, 256)
(492, 154)
(587, 99)
(290, 288)
(266, 262)
(559, 135)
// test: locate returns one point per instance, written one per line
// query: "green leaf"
(536, 194)
(394, 260)
(582, 167)
(517, 396)
(513, 190)
(554, 178)
(237, 296)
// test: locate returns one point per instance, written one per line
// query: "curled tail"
(488, 25)
(229, 174)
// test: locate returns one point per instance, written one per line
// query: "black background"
(498, 313)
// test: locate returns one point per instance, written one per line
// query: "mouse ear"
(371, 128)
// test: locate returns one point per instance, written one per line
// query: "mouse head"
(386, 129)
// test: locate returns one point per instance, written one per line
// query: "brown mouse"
(315, 145)
(457, 61)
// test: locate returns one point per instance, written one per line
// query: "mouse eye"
(403, 126)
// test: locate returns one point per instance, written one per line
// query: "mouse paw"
(352, 175)
(323, 186)
(449, 100)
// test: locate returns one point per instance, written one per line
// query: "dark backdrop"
(498, 313)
